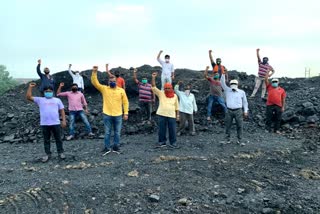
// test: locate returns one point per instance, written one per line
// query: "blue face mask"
(48, 94)
(274, 84)
(113, 84)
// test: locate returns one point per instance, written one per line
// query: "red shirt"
(275, 95)
(120, 82)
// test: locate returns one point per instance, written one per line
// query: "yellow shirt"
(113, 98)
(167, 106)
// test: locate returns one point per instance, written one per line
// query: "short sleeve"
(37, 100)
(60, 104)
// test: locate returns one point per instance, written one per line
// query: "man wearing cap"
(275, 104)
(167, 74)
(77, 79)
(216, 94)
(217, 67)
(168, 112)
(237, 106)
(265, 70)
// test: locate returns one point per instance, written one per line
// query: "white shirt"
(234, 99)
(187, 103)
(167, 68)
(77, 78)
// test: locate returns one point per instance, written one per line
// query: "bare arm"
(266, 80)
(258, 55)
(206, 73)
(210, 57)
(38, 68)
(153, 81)
(63, 116)
(107, 70)
(159, 54)
(135, 76)
(29, 92)
(60, 87)
(283, 103)
(70, 72)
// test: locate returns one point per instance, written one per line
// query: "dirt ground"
(269, 174)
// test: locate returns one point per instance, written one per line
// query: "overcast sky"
(131, 33)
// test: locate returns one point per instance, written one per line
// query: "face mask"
(74, 89)
(113, 84)
(274, 84)
(265, 60)
(167, 60)
(48, 94)
(216, 77)
(144, 81)
(46, 72)
(234, 87)
(117, 75)
(187, 92)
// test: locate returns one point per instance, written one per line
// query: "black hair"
(218, 59)
(167, 56)
(74, 84)
(48, 87)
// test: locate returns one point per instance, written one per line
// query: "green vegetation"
(6, 82)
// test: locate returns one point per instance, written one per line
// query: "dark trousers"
(273, 114)
(183, 118)
(164, 123)
(55, 130)
(145, 109)
(238, 116)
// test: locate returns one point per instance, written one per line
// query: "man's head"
(168, 90)
(275, 82)
(167, 58)
(77, 73)
(74, 87)
(218, 61)
(117, 73)
(187, 89)
(144, 80)
(48, 92)
(112, 81)
(265, 60)
(216, 76)
(46, 70)
(234, 84)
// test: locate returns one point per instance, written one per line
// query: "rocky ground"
(268, 173)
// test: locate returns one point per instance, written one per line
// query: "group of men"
(175, 103)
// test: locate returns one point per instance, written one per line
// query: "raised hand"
(135, 70)
(70, 65)
(39, 61)
(210, 51)
(32, 85)
(161, 52)
(180, 82)
(258, 49)
(61, 84)
(154, 74)
(95, 69)
(207, 68)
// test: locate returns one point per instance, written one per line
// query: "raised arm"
(176, 88)
(38, 68)
(159, 54)
(223, 82)
(211, 58)
(172, 72)
(29, 91)
(82, 83)
(94, 79)
(153, 81)
(70, 72)
(205, 74)
(60, 87)
(107, 70)
(258, 55)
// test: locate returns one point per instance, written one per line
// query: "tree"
(6, 82)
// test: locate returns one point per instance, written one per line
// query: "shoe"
(278, 132)
(90, 134)
(193, 133)
(116, 149)
(160, 145)
(173, 146)
(208, 119)
(70, 137)
(105, 151)
(45, 159)
(62, 156)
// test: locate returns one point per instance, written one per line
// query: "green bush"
(6, 82)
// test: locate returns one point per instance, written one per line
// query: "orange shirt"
(275, 95)
(120, 82)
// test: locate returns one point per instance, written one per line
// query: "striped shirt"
(145, 92)
(264, 69)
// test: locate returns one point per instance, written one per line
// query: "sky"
(131, 33)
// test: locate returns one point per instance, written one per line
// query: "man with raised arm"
(167, 74)
(237, 107)
(265, 70)
(77, 107)
(146, 96)
(217, 67)
(77, 79)
(49, 107)
(46, 78)
(120, 81)
(168, 112)
(114, 101)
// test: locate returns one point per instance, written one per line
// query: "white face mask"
(167, 60)
(187, 92)
(234, 87)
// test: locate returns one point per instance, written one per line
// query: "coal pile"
(20, 118)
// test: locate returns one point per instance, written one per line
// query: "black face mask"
(265, 60)
(218, 62)
(74, 89)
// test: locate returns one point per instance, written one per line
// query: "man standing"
(187, 106)
(237, 107)
(77, 107)
(215, 93)
(146, 97)
(120, 81)
(265, 70)
(46, 78)
(275, 104)
(216, 66)
(49, 119)
(114, 100)
(77, 79)
(167, 112)
(167, 74)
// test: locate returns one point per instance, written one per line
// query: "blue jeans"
(116, 123)
(217, 99)
(73, 115)
(164, 123)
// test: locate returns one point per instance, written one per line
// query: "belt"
(235, 109)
